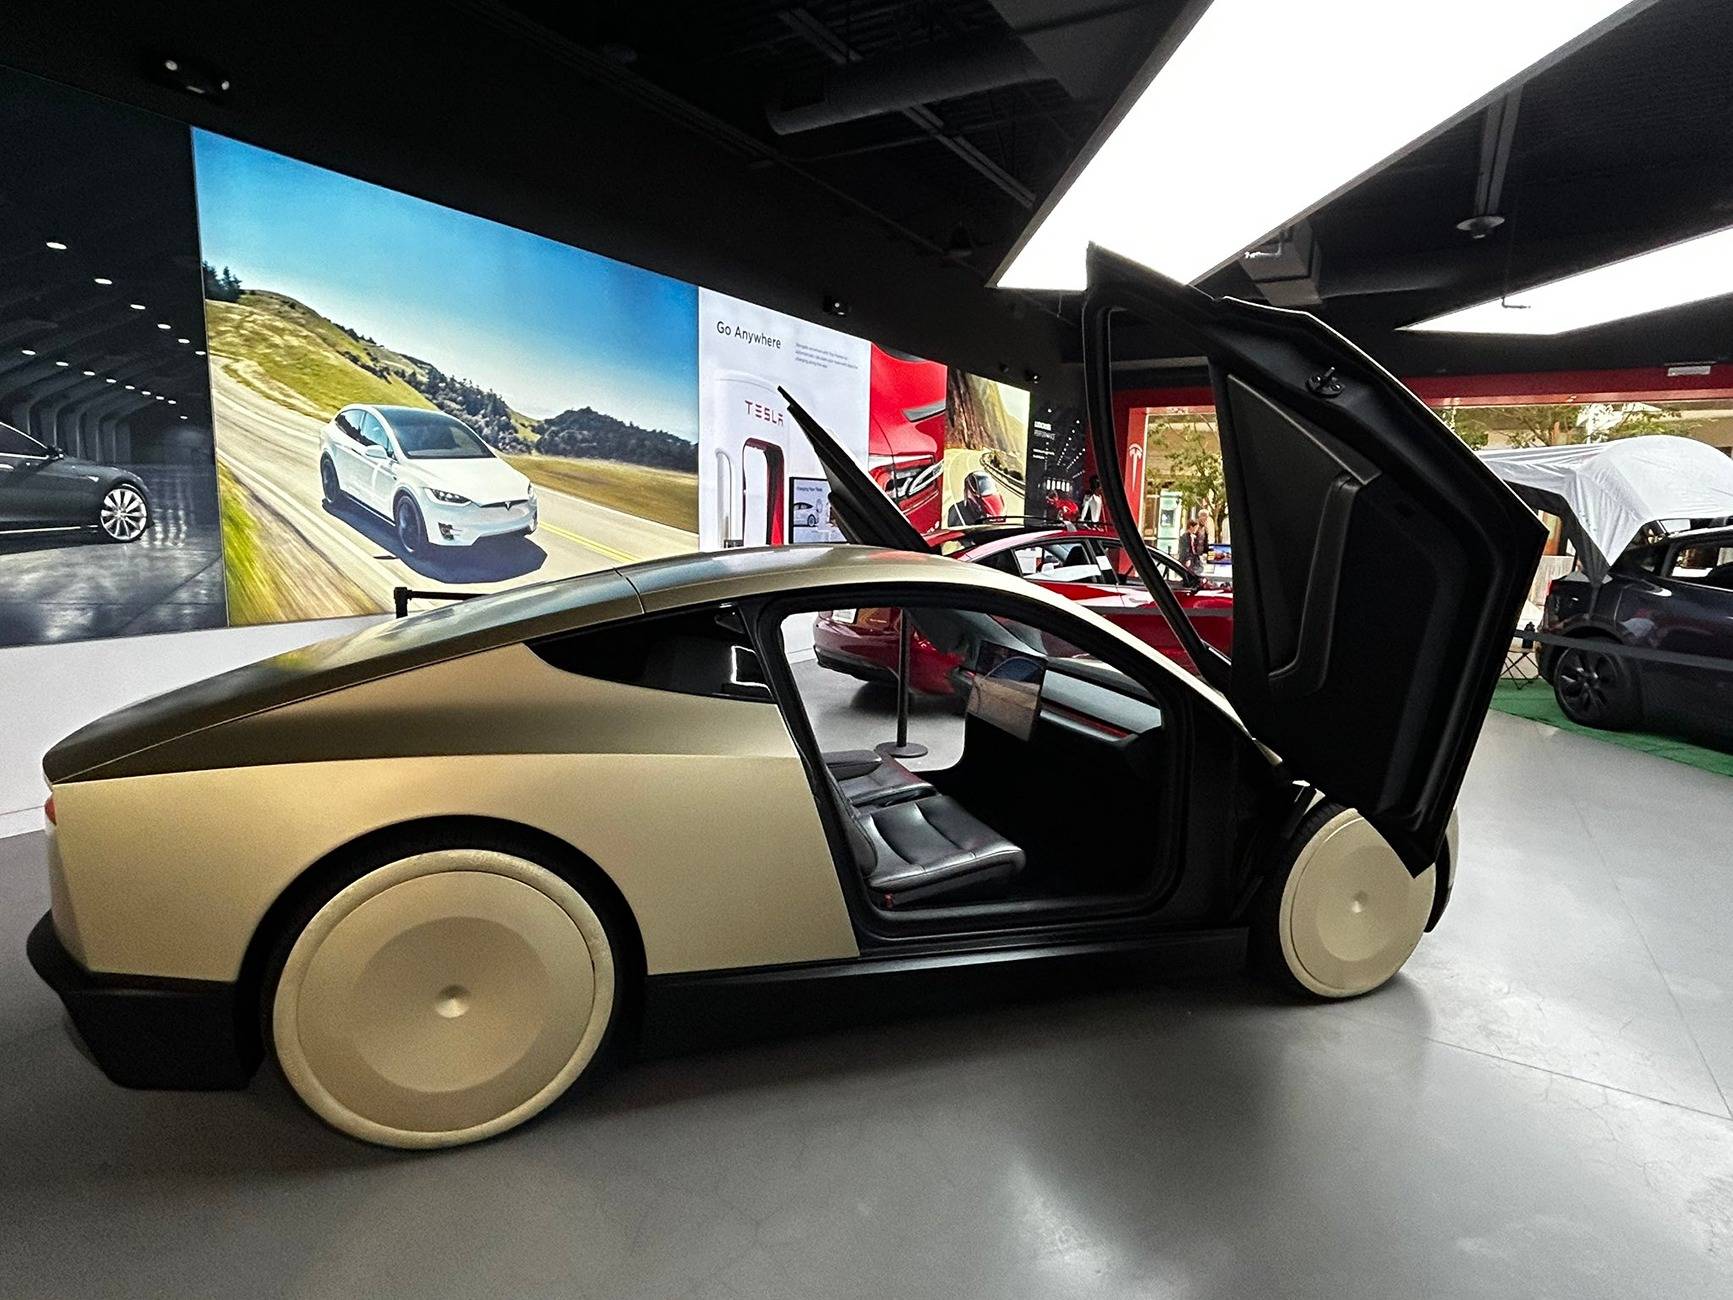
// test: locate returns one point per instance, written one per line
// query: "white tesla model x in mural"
(427, 472)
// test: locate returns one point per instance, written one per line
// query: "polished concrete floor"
(1537, 1107)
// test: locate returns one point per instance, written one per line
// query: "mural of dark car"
(44, 490)
(1675, 596)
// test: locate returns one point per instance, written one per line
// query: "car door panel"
(353, 471)
(1378, 567)
(27, 497)
(20, 498)
(375, 483)
(1686, 617)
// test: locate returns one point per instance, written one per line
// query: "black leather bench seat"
(930, 846)
(909, 841)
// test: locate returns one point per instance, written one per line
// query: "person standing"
(1090, 515)
(1196, 546)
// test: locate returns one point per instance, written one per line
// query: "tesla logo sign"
(1132, 467)
(759, 411)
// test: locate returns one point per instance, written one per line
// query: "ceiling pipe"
(891, 83)
(834, 48)
(1497, 136)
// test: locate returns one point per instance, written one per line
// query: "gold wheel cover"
(1350, 912)
(443, 998)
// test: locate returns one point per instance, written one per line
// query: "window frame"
(41, 452)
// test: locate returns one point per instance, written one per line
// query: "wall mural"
(409, 395)
(108, 501)
(395, 394)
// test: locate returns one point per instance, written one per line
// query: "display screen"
(239, 388)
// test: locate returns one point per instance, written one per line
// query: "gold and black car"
(432, 869)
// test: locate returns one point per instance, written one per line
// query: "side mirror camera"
(56, 453)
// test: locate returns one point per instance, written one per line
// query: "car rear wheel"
(442, 998)
(124, 514)
(329, 481)
(1341, 913)
(1594, 689)
(409, 529)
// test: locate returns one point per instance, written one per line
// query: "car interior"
(1044, 780)
(1042, 776)
(1708, 565)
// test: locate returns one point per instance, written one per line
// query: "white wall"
(48, 691)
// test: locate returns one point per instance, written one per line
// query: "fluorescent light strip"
(1689, 271)
(1265, 112)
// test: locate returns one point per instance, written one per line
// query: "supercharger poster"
(749, 448)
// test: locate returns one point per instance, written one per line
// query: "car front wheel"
(124, 515)
(1594, 689)
(329, 481)
(442, 998)
(409, 529)
(1340, 914)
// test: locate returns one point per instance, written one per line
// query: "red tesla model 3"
(1088, 565)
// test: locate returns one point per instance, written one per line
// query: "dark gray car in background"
(1674, 595)
(44, 490)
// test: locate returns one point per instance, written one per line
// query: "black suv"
(1674, 595)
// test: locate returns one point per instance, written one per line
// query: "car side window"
(372, 432)
(346, 422)
(15, 443)
(1710, 565)
(694, 652)
(1691, 562)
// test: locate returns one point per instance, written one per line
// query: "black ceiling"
(101, 311)
(646, 131)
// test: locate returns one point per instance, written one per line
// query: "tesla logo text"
(759, 411)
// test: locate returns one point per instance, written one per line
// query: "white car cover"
(1607, 491)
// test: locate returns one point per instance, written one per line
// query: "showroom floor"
(1538, 1107)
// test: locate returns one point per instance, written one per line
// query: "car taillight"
(48, 811)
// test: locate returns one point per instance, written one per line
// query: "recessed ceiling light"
(1689, 271)
(1296, 113)
(183, 340)
(63, 363)
(57, 246)
(183, 417)
(90, 372)
(145, 391)
(129, 388)
(159, 397)
(199, 352)
(172, 402)
(136, 306)
(29, 352)
(103, 279)
(111, 381)
(162, 325)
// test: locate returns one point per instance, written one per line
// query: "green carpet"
(1534, 700)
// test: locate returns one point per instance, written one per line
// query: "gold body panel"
(698, 809)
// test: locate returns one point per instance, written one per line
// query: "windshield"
(433, 435)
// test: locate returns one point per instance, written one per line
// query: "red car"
(906, 433)
(1088, 565)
